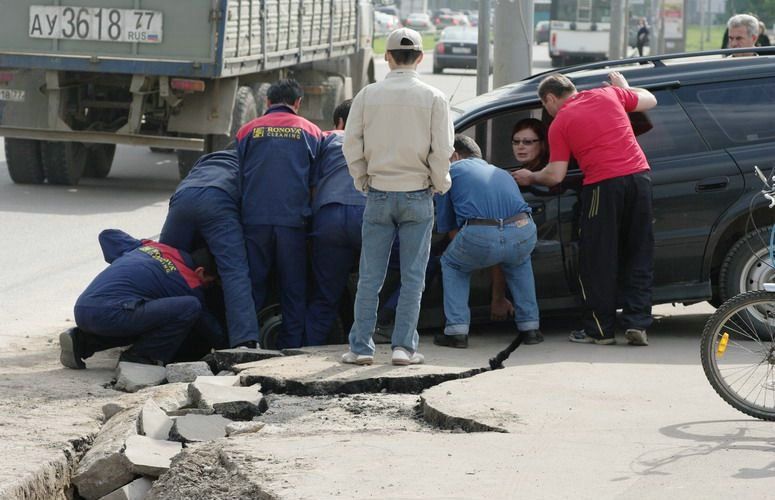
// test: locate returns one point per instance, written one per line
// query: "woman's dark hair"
(538, 127)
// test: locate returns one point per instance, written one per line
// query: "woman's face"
(526, 146)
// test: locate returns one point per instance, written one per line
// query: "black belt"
(499, 222)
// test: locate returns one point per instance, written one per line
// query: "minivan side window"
(732, 114)
(672, 133)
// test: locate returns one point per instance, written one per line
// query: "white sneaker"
(401, 357)
(351, 358)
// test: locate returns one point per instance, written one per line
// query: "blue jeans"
(478, 247)
(199, 216)
(411, 214)
(336, 242)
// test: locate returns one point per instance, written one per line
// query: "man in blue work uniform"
(276, 152)
(490, 224)
(337, 209)
(150, 296)
(205, 211)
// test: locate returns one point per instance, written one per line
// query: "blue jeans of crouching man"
(478, 247)
(411, 214)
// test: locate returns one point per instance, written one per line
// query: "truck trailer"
(78, 77)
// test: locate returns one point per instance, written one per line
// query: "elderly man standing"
(742, 32)
(397, 143)
(616, 240)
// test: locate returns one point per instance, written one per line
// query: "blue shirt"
(219, 170)
(330, 176)
(276, 152)
(479, 191)
(140, 270)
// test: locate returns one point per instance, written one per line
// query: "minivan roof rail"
(657, 60)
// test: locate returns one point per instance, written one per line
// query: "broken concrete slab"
(110, 409)
(223, 380)
(150, 457)
(235, 428)
(226, 358)
(238, 403)
(154, 422)
(190, 411)
(196, 428)
(187, 372)
(316, 374)
(104, 468)
(131, 377)
(136, 490)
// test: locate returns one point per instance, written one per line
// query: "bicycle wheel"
(738, 354)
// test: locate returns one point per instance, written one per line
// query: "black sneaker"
(581, 337)
(71, 354)
(532, 337)
(457, 341)
(129, 357)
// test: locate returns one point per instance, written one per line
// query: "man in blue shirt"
(150, 296)
(337, 209)
(276, 152)
(490, 224)
(205, 211)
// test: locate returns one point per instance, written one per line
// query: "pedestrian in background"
(616, 239)
(398, 141)
(337, 209)
(276, 152)
(642, 37)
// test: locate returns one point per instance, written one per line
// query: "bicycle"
(738, 348)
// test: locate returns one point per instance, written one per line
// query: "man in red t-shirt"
(616, 240)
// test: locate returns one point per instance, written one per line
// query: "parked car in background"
(457, 48)
(542, 32)
(419, 21)
(389, 9)
(385, 23)
(451, 19)
(473, 17)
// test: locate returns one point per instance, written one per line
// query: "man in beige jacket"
(398, 141)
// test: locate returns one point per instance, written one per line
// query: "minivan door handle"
(712, 184)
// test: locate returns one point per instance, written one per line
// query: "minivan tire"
(746, 266)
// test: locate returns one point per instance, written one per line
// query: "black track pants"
(616, 253)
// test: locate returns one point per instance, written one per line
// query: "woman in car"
(531, 150)
(528, 142)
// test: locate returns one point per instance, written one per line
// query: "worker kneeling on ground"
(150, 297)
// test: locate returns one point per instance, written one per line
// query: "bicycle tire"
(731, 339)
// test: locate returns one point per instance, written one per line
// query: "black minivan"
(714, 121)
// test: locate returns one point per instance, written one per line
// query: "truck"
(78, 77)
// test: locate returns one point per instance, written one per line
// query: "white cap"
(404, 39)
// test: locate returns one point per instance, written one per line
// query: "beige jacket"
(399, 136)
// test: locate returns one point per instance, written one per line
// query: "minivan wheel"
(747, 266)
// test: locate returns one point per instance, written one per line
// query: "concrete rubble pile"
(138, 441)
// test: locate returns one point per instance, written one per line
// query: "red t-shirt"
(594, 127)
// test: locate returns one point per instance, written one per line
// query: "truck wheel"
(259, 96)
(99, 159)
(186, 161)
(747, 265)
(24, 162)
(63, 162)
(245, 109)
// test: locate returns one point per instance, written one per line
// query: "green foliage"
(697, 38)
(764, 10)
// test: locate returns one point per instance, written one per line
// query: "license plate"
(461, 50)
(95, 23)
(11, 95)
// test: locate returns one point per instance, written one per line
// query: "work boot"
(457, 341)
(636, 336)
(71, 350)
(129, 357)
(532, 337)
